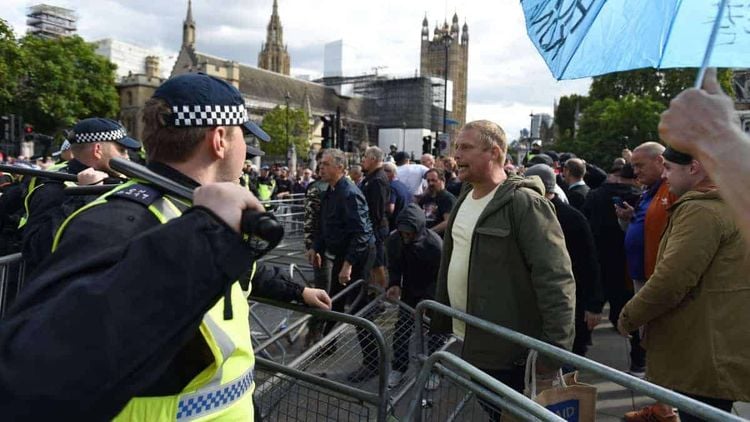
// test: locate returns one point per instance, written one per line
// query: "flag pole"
(710, 46)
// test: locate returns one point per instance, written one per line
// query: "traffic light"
(327, 131)
(436, 147)
(344, 143)
(28, 133)
(426, 144)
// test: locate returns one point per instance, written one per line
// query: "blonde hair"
(489, 134)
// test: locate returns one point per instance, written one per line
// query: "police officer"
(93, 142)
(175, 365)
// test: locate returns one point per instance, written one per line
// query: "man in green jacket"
(504, 259)
(694, 306)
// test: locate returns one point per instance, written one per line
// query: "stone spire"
(454, 26)
(465, 34)
(274, 55)
(188, 27)
(425, 28)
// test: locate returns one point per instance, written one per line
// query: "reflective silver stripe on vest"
(210, 400)
(225, 343)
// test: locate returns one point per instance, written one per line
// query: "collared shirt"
(578, 183)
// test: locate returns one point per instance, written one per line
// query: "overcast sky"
(507, 77)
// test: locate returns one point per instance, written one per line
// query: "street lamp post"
(531, 131)
(447, 38)
(403, 136)
(291, 154)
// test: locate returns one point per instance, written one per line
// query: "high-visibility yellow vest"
(265, 190)
(33, 186)
(222, 390)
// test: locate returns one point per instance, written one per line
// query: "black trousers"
(513, 378)
(358, 298)
(403, 331)
(725, 405)
(583, 335)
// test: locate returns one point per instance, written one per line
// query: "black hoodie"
(414, 266)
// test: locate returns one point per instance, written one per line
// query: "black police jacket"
(114, 312)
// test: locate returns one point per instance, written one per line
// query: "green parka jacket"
(519, 275)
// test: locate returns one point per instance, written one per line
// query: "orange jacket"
(656, 220)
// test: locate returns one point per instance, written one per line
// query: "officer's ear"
(97, 150)
(217, 142)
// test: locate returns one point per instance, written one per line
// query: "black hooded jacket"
(414, 266)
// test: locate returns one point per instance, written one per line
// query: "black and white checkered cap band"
(209, 115)
(108, 136)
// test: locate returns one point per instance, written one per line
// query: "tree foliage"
(10, 58)
(658, 85)
(608, 125)
(63, 81)
(622, 109)
(52, 83)
(275, 123)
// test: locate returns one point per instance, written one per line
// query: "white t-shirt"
(458, 268)
(412, 175)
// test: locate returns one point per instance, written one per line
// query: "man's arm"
(687, 254)
(542, 244)
(358, 227)
(115, 324)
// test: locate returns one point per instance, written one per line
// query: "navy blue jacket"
(345, 229)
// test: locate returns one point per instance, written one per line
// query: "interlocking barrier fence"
(661, 394)
(11, 280)
(311, 386)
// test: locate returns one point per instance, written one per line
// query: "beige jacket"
(696, 305)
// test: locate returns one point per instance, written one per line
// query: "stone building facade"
(273, 54)
(433, 54)
(134, 91)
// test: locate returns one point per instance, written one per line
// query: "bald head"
(648, 164)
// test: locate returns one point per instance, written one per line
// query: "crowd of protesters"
(539, 248)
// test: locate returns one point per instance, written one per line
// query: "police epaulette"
(142, 194)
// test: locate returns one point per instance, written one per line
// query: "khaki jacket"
(519, 275)
(696, 305)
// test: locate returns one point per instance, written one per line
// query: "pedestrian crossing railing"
(685, 404)
(11, 280)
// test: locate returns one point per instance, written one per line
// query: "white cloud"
(507, 77)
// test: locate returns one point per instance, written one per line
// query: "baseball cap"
(99, 129)
(200, 100)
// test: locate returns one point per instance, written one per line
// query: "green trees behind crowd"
(52, 83)
(621, 110)
(282, 124)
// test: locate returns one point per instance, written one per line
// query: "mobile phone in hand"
(618, 201)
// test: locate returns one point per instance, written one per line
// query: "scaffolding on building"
(51, 21)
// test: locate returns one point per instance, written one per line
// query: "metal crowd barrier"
(12, 271)
(493, 394)
(685, 404)
(309, 387)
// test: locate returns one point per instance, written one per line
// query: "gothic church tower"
(273, 55)
(433, 60)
